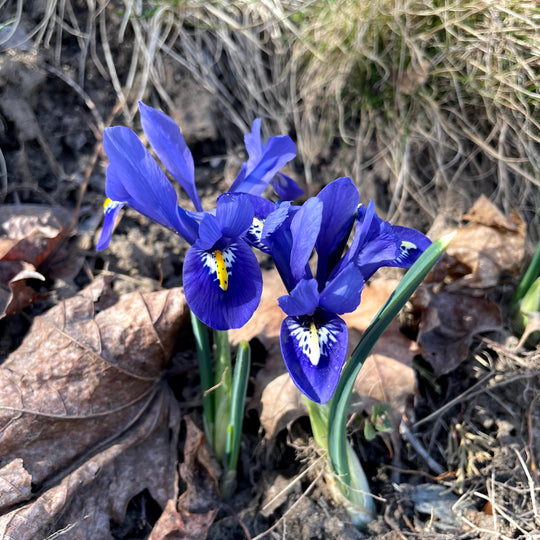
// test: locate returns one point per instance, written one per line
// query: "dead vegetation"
(436, 102)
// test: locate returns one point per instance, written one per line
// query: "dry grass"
(443, 93)
(437, 101)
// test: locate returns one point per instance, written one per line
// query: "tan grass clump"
(445, 94)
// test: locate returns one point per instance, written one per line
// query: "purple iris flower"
(313, 337)
(221, 276)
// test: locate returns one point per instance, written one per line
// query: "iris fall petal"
(218, 307)
(314, 350)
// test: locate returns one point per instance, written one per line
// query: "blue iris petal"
(215, 307)
(133, 176)
(305, 227)
(314, 350)
(342, 293)
(303, 300)
(234, 213)
(286, 188)
(254, 145)
(209, 232)
(112, 209)
(374, 243)
(411, 245)
(166, 139)
(264, 161)
(277, 237)
(340, 200)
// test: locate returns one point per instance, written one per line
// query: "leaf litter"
(86, 384)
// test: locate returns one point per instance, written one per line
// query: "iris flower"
(313, 336)
(221, 276)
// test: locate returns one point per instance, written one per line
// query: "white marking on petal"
(254, 234)
(314, 341)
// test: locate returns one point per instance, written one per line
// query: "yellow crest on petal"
(221, 270)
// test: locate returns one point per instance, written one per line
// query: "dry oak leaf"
(488, 246)
(81, 379)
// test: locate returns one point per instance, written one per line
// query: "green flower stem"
(222, 392)
(236, 419)
(358, 502)
(200, 332)
(342, 460)
(318, 417)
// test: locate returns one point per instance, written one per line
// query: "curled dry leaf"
(29, 234)
(196, 509)
(15, 294)
(83, 387)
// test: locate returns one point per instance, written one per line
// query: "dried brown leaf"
(197, 507)
(83, 381)
(87, 499)
(15, 294)
(281, 404)
(266, 321)
(387, 375)
(30, 232)
(15, 483)
(448, 323)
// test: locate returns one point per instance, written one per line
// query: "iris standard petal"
(286, 188)
(134, 176)
(379, 250)
(278, 151)
(314, 350)
(254, 145)
(166, 139)
(342, 293)
(223, 288)
(412, 244)
(234, 213)
(111, 209)
(276, 235)
(302, 300)
(340, 201)
(305, 227)
(209, 232)
(374, 244)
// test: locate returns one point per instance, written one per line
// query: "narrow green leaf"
(200, 332)
(222, 392)
(533, 271)
(337, 437)
(238, 400)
